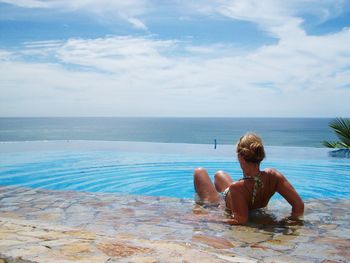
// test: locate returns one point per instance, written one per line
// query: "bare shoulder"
(271, 171)
(274, 172)
(236, 186)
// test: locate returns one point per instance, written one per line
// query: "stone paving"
(62, 226)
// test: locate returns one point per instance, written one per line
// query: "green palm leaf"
(341, 127)
(330, 144)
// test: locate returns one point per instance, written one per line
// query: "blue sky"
(175, 58)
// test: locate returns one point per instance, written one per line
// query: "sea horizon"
(275, 131)
(182, 117)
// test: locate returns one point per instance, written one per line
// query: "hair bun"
(251, 148)
(258, 150)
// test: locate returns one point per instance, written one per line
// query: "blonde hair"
(251, 148)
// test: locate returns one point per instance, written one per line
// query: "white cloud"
(28, 3)
(300, 75)
(130, 7)
(115, 54)
(137, 23)
(281, 19)
(142, 76)
(5, 55)
(102, 9)
(276, 17)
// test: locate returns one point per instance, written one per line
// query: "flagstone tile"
(66, 226)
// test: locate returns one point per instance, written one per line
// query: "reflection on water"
(340, 153)
(263, 217)
(260, 219)
(158, 169)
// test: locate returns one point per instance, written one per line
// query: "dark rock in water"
(342, 153)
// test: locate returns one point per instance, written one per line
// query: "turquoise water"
(304, 132)
(159, 169)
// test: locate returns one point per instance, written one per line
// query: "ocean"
(299, 132)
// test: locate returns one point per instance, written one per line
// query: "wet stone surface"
(57, 226)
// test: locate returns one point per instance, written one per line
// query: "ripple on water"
(160, 174)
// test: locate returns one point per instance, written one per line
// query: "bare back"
(240, 196)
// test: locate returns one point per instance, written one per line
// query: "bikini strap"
(258, 183)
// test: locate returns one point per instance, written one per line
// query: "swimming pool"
(159, 169)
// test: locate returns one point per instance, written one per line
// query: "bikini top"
(257, 184)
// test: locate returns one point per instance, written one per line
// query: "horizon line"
(184, 117)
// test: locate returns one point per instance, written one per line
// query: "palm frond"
(329, 144)
(342, 129)
(333, 144)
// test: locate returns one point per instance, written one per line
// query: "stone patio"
(60, 226)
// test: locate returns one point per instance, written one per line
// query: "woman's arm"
(239, 206)
(285, 189)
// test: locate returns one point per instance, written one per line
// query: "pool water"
(154, 169)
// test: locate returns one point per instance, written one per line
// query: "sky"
(175, 58)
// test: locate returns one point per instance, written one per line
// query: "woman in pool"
(253, 191)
